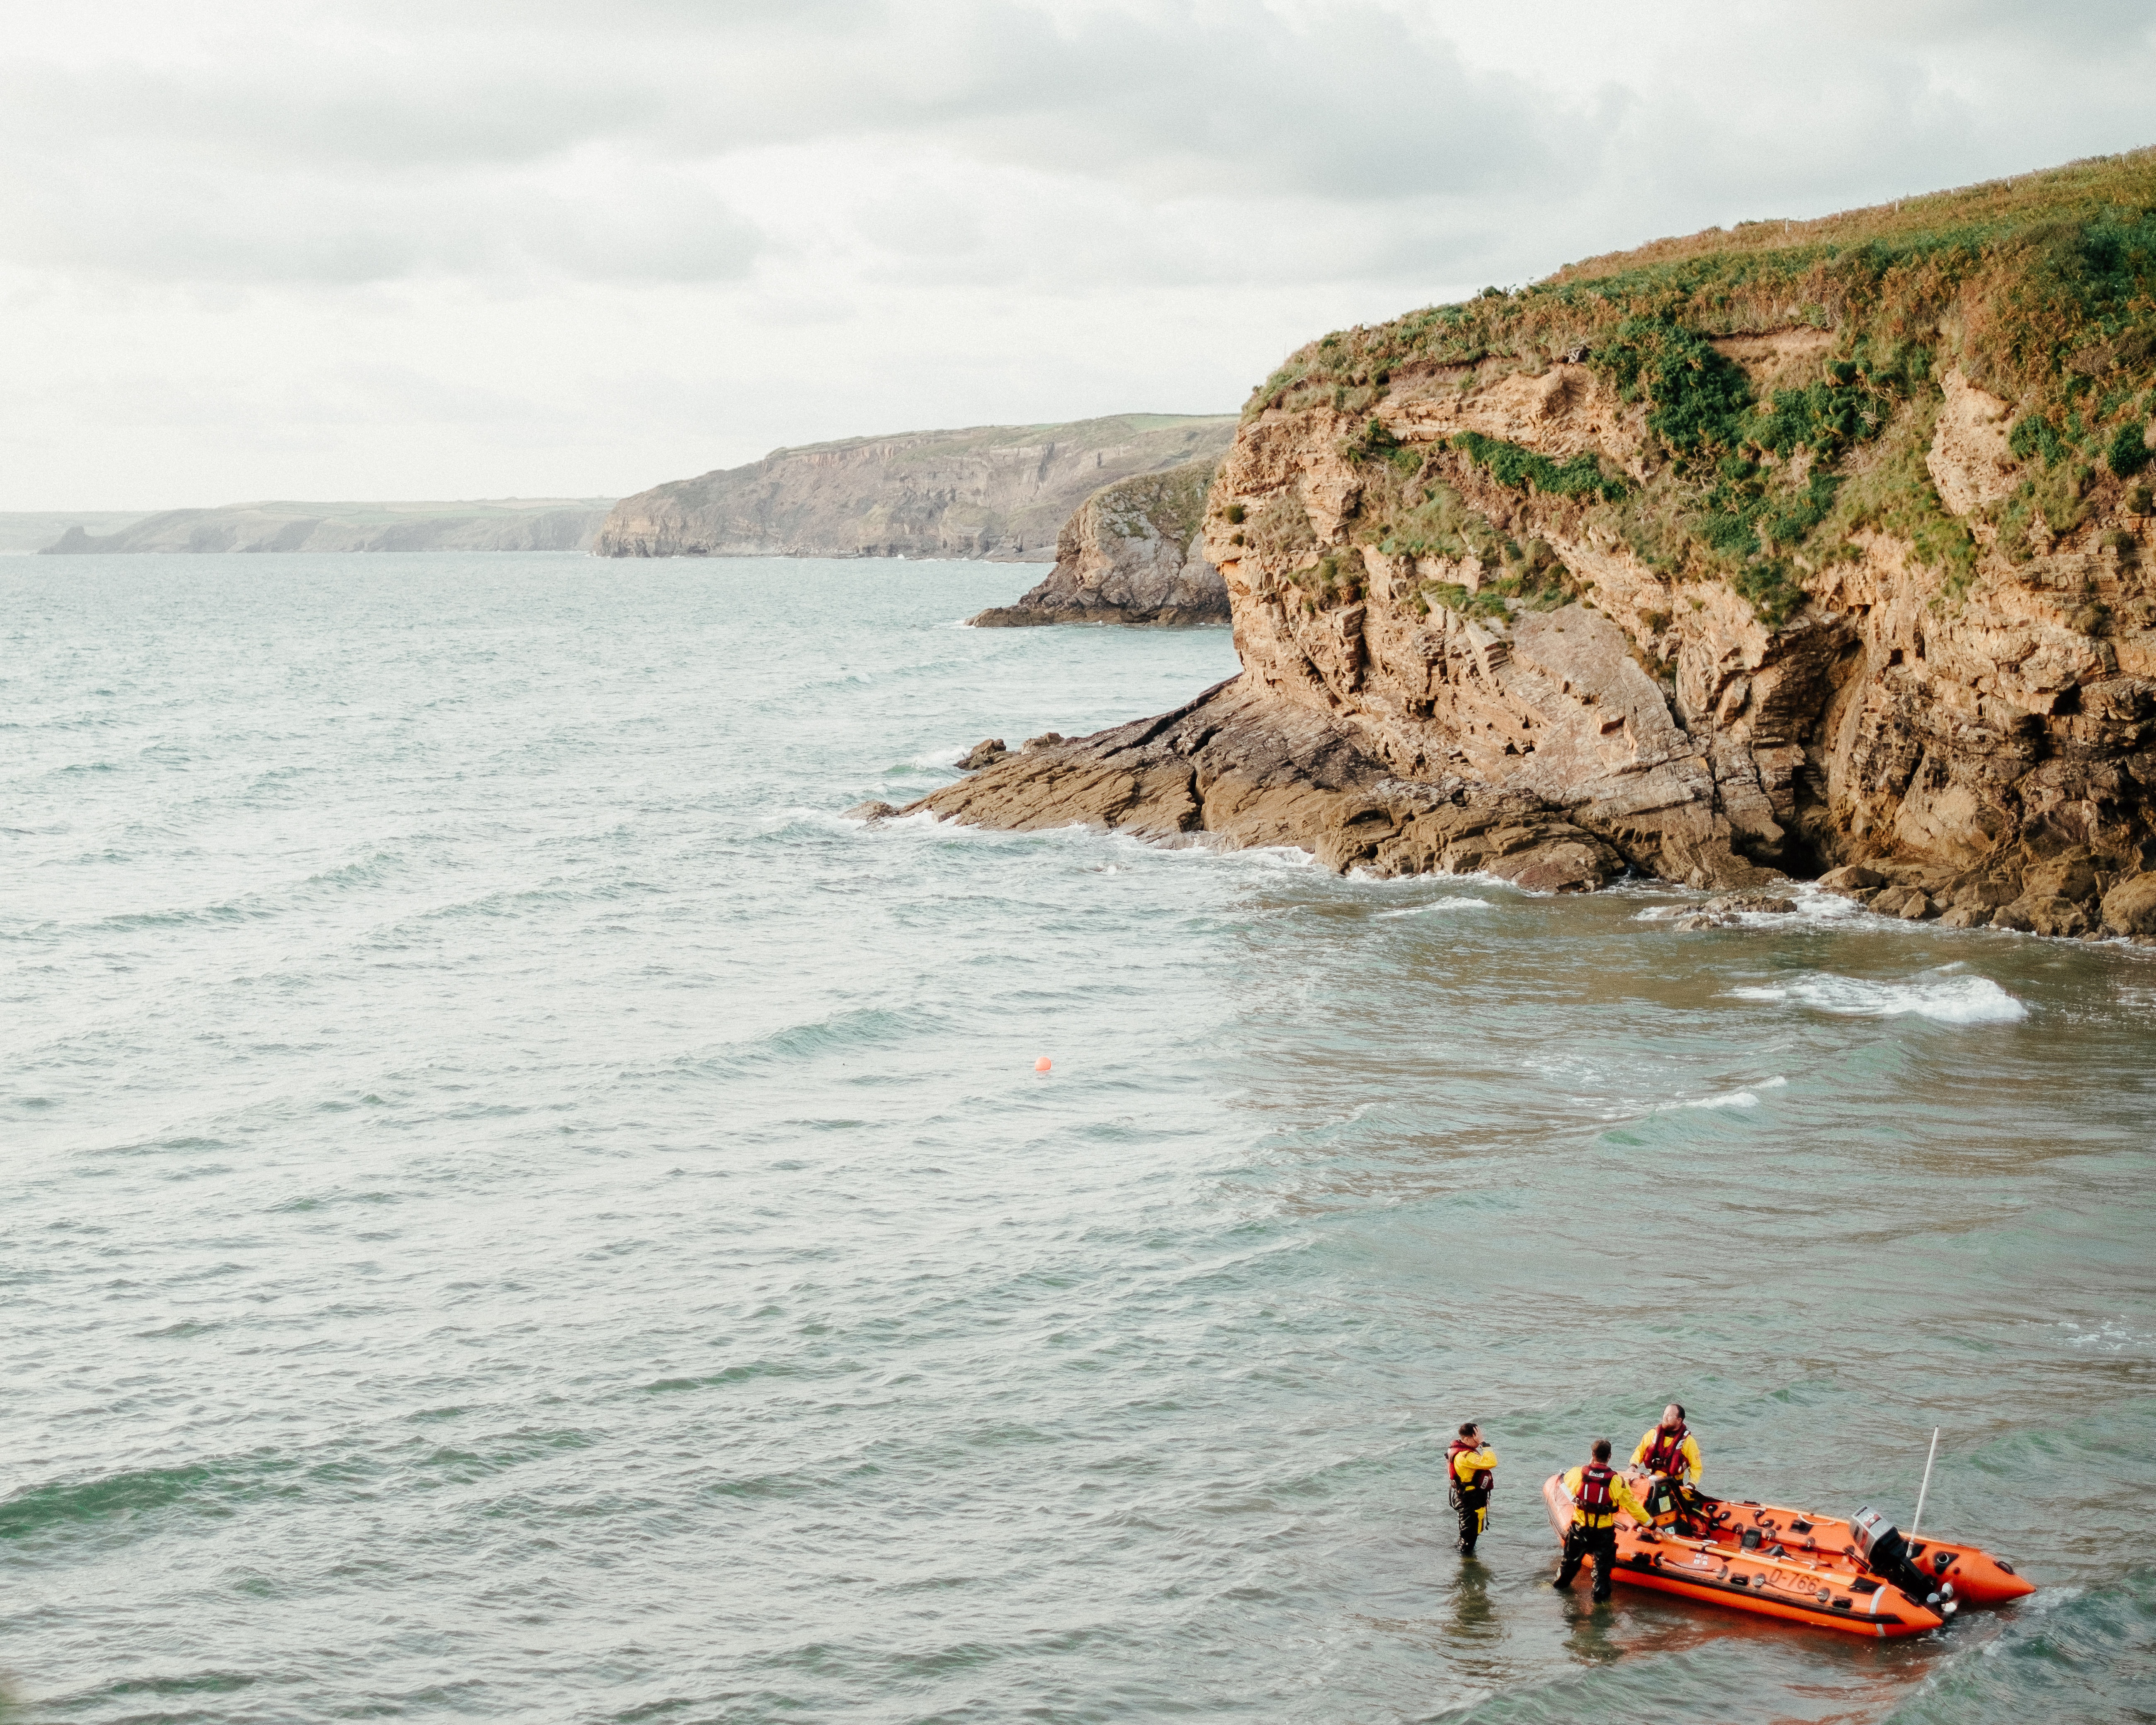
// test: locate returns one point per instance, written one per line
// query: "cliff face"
(552, 525)
(1801, 547)
(996, 491)
(1134, 552)
(32, 530)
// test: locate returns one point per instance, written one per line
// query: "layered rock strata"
(1837, 558)
(1133, 552)
(1236, 767)
(1001, 492)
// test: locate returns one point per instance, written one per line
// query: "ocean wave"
(849, 1030)
(360, 873)
(2111, 1336)
(1812, 907)
(1443, 904)
(1735, 1098)
(789, 822)
(1945, 998)
(61, 1504)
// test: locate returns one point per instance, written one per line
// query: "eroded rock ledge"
(1237, 768)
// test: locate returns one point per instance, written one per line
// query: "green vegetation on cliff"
(2041, 289)
(1169, 503)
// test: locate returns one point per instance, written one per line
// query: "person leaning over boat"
(1470, 1470)
(1598, 1491)
(1669, 1456)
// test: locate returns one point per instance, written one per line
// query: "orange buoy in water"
(1041, 1065)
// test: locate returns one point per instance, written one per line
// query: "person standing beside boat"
(1669, 1455)
(1470, 1470)
(1598, 1491)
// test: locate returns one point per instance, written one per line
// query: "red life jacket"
(1667, 1454)
(1480, 1481)
(1594, 1498)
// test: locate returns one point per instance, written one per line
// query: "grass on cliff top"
(1171, 501)
(1205, 431)
(2041, 288)
(2061, 261)
(2077, 192)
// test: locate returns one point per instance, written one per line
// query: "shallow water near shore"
(514, 1209)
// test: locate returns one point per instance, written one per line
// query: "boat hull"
(1820, 1589)
(1978, 1578)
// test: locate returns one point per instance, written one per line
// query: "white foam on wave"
(1813, 906)
(1443, 904)
(1263, 856)
(939, 759)
(2111, 1336)
(829, 820)
(1824, 906)
(1735, 1098)
(1945, 998)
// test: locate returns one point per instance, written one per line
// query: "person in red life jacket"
(1669, 1456)
(1470, 1468)
(1598, 1491)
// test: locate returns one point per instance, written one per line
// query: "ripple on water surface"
(515, 1209)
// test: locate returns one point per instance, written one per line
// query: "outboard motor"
(1885, 1553)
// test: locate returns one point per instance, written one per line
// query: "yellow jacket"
(1470, 1462)
(1687, 1451)
(1619, 1493)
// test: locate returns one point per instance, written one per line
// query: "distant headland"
(1000, 492)
(509, 524)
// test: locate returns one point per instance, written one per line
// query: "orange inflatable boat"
(1861, 1577)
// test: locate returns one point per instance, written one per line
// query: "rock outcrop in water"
(1235, 766)
(1002, 492)
(516, 524)
(1134, 552)
(1797, 546)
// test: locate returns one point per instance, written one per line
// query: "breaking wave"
(1735, 1098)
(1946, 1000)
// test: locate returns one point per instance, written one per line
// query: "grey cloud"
(301, 103)
(193, 221)
(1952, 24)
(367, 141)
(1155, 91)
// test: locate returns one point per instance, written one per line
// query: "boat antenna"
(1925, 1489)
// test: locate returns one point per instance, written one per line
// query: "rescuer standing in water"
(1671, 1456)
(1598, 1492)
(1470, 1467)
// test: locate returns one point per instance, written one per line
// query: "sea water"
(515, 1208)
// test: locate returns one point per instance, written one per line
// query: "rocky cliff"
(33, 530)
(518, 524)
(995, 492)
(1793, 548)
(1134, 552)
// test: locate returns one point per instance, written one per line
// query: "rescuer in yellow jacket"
(1669, 1455)
(1471, 1466)
(1598, 1491)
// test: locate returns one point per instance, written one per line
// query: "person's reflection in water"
(1474, 1635)
(1589, 1639)
(1474, 1622)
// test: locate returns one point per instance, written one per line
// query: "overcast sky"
(357, 248)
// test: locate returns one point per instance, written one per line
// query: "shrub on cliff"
(2129, 452)
(2041, 290)
(1510, 464)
